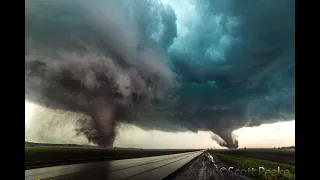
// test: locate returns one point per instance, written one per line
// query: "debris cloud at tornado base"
(228, 65)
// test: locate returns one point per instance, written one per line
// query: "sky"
(278, 134)
(281, 134)
(168, 66)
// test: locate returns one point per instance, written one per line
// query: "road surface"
(156, 167)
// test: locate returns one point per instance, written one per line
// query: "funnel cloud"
(229, 64)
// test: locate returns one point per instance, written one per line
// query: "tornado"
(230, 64)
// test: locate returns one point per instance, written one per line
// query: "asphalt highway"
(153, 168)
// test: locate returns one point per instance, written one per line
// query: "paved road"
(156, 167)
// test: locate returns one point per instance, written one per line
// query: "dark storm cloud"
(247, 82)
(89, 57)
(107, 59)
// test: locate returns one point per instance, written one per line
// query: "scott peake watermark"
(259, 172)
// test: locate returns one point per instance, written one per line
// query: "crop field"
(285, 156)
(37, 157)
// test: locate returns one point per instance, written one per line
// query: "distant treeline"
(30, 144)
(126, 148)
(289, 147)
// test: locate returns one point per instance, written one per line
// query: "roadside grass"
(38, 157)
(283, 156)
(245, 163)
(258, 149)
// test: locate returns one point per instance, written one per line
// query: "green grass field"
(246, 162)
(285, 156)
(259, 149)
(36, 157)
